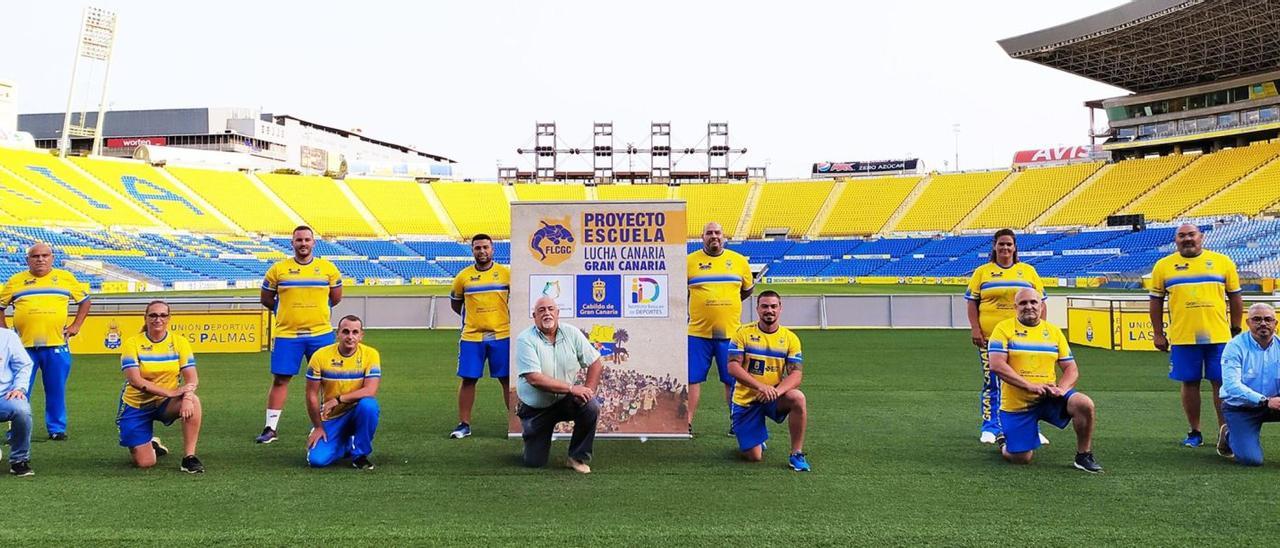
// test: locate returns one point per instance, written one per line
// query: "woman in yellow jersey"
(152, 362)
(990, 295)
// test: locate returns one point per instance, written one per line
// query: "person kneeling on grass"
(766, 361)
(1250, 387)
(1023, 351)
(342, 382)
(152, 361)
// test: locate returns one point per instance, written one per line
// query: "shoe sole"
(266, 441)
(184, 469)
(799, 469)
(458, 436)
(1078, 467)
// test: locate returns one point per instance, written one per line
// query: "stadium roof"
(1149, 45)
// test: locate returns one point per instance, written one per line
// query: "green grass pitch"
(892, 438)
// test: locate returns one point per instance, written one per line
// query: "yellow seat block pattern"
(1206, 176)
(1248, 197)
(789, 204)
(1125, 181)
(27, 205)
(399, 205)
(947, 199)
(1030, 194)
(238, 198)
(149, 189)
(476, 208)
(320, 203)
(866, 205)
(52, 175)
(550, 192)
(632, 192)
(713, 202)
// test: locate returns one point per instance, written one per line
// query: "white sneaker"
(1043, 440)
(578, 466)
(987, 437)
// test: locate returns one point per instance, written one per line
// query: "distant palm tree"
(620, 353)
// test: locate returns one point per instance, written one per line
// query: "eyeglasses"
(1262, 319)
(156, 315)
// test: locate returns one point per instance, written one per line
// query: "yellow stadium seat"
(947, 199)
(1248, 197)
(1207, 175)
(399, 206)
(632, 192)
(53, 175)
(319, 201)
(237, 197)
(150, 190)
(789, 204)
(1125, 181)
(551, 192)
(476, 208)
(28, 205)
(866, 205)
(1030, 194)
(713, 202)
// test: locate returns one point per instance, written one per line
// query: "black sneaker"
(58, 436)
(362, 463)
(21, 468)
(192, 465)
(159, 448)
(1224, 443)
(1085, 461)
(1000, 441)
(691, 430)
(731, 434)
(268, 435)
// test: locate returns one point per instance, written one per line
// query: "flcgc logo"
(112, 340)
(552, 243)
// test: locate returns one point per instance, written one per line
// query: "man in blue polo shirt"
(1250, 386)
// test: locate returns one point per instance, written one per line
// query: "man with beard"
(300, 291)
(719, 280)
(1023, 352)
(766, 361)
(480, 294)
(1197, 283)
(1250, 386)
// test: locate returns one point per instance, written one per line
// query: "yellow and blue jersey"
(302, 292)
(338, 374)
(993, 287)
(1196, 290)
(484, 297)
(1033, 353)
(715, 292)
(40, 305)
(159, 362)
(764, 356)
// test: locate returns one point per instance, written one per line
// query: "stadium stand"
(789, 205)
(151, 191)
(1250, 196)
(1122, 184)
(947, 199)
(400, 206)
(26, 204)
(721, 203)
(476, 208)
(65, 182)
(320, 203)
(237, 198)
(865, 205)
(1030, 194)
(1202, 178)
(632, 192)
(551, 192)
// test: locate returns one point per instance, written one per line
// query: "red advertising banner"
(120, 142)
(1055, 155)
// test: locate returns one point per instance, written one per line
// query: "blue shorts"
(288, 354)
(1192, 362)
(701, 351)
(1021, 431)
(473, 354)
(135, 424)
(748, 422)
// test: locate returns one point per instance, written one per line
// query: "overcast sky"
(797, 81)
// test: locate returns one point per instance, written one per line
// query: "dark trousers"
(539, 423)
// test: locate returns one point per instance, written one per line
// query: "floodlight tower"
(602, 152)
(95, 45)
(660, 152)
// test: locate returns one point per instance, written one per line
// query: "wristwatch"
(1265, 400)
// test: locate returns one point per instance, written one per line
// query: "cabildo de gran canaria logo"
(552, 243)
